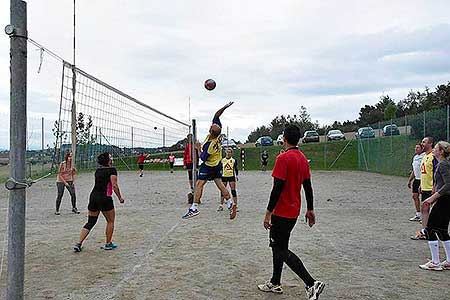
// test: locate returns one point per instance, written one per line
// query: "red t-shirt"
(292, 167)
(141, 159)
(187, 157)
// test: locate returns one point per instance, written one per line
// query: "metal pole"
(164, 137)
(448, 121)
(74, 108)
(43, 141)
(132, 141)
(18, 136)
(194, 155)
(424, 129)
(228, 137)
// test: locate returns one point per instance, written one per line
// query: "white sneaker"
(269, 287)
(431, 266)
(314, 291)
(416, 218)
(445, 265)
(220, 208)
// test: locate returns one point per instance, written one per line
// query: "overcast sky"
(270, 57)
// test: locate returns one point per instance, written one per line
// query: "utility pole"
(17, 31)
(42, 134)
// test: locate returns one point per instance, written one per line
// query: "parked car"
(389, 130)
(335, 135)
(310, 136)
(365, 133)
(280, 140)
(228, 143)
(264, 141)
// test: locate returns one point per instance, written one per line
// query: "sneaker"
(77, 247)
(416, 218)
(419, 236)
(269, 287)
(109, 246)
(57, 213)
(220, 208)
(190, 213)
(75, 210)
(445, 265)
(431, 266)
(313, 292)
(142, 175)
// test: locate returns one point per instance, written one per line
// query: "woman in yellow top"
(66, 179)
(229, 175)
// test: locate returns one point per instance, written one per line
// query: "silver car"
(335, 135)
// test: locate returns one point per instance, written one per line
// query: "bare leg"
(110, 216)
(199, 190)
(233, 187)
(415, 197)
(84, 232)
(221, 195)
(425, 209)
(222, 188)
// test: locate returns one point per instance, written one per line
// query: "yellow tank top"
(426, 170)
(214, 151)
(228, 167)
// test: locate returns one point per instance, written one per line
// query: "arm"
(236, 170)
(444, 170)
(310, 215)
(116, 189)
(220, 111)
(59, 175)
(274, 197)
(410, 178)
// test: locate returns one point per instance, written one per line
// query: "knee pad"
(91, 222)
(234, 193)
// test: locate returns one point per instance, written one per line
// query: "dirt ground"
(360, 246)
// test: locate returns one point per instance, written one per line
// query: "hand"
(121, 200)
(267, 220)
(228, 104)
(409, 184)
(184, 167)
(310, 216)
(237, 179)
(198, 146)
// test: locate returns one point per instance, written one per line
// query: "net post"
(18, 137)
(194, 156)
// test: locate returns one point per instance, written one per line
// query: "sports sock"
(447, 249)
(434, 248)
(194, 206)
(419, 214)
(229, 203)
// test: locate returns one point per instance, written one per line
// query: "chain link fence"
(388, 147)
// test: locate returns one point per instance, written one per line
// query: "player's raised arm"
(220, 111)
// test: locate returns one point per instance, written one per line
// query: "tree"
(369, 115)
(390, 111)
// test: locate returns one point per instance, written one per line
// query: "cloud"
(270, 57)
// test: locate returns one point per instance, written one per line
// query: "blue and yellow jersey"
(229, 167)
(212, 151)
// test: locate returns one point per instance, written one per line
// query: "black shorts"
(100, 203)
(280, 232)
(141, 167)
(171, 164)
(264, 162)
(209, 173)
(415, 186)
(229, 179)
(439, 218)
(425, 195)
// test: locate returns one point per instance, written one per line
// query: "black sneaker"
(75, 210)
(77, 247)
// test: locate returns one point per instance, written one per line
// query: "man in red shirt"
(141, 158)
(290, 173)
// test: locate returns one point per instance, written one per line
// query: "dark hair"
(292, 134)
(103, 159)
(68, 153)
(430, 140)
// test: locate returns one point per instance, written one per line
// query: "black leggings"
(439, 219)
(71, 189)
(280, 233)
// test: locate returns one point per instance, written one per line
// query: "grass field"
(360, 246)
